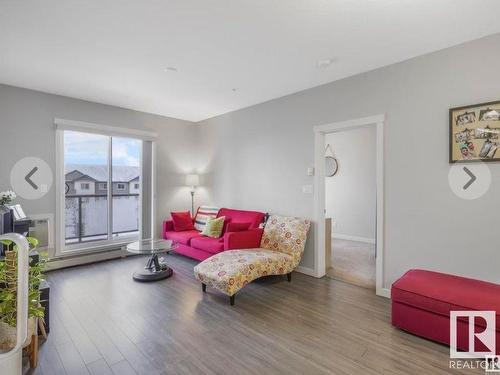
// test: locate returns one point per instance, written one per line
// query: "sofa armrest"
(168, 226)
(247, 239)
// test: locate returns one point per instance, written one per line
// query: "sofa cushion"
(237, 227)
(231, 270)
(240, 216)
(441, 293)
(202, 215)
(182, 237)
(182, 221)
(191, 252)
(208, 244)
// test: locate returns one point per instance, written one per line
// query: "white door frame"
(319, 192)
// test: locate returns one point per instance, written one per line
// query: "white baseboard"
(57, 263)
(384, 292)
(353, 238)
(306, 271)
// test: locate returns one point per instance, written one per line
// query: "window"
(95, 219)
(136, 186)
(85, 215)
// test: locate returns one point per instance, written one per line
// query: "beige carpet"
(353, 262)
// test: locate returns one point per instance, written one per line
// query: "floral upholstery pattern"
(286, 235)
(231, 270)
(281, 249)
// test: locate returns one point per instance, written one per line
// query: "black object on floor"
(44, 301)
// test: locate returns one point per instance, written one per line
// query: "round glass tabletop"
(150, 246)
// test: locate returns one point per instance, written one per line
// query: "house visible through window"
(106, 214)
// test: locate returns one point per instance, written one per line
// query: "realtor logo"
(492, 364)
(485, 336)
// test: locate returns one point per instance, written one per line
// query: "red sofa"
(422, 301)
(194, 245)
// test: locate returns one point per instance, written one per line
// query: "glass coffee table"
(154, 269)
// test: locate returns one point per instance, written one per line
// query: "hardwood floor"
(102, 322)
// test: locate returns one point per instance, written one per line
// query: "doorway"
(320, 133)
(350, 205)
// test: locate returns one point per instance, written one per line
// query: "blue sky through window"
(126, 151)
(92, 149)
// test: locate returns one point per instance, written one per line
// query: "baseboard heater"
(81, 259)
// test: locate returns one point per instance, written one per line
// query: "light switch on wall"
(307, 189)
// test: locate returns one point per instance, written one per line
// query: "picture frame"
(474, 133)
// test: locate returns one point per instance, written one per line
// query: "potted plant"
(5, 198)
(8, 295)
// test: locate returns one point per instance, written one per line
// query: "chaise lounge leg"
(289, 276)
(231, 299)
(203, 287)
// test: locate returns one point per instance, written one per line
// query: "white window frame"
(115, 242)
(103, 185)
(120, 186)
(84, 185)
(136, 185)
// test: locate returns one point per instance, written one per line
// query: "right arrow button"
(472, 178)
(471, 181)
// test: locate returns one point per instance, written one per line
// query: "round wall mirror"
(331, 166)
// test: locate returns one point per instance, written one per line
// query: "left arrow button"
(28, 178)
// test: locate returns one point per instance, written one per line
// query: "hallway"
(353, 262)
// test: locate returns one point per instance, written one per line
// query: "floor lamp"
(192, 180)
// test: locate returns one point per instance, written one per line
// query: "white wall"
(350, 195)
(257, 157)
(27, 129)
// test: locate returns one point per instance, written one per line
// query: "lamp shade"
(192, 180)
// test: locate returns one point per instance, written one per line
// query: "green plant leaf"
(8, 296)
(32, 241)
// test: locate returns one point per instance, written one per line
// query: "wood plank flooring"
(102, 322)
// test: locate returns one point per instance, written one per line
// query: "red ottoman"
(422, 301)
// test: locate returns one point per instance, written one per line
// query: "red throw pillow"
(182, 221)
(237, 227)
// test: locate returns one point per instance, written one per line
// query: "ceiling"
(228, 54)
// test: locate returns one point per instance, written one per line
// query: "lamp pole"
(192, 201)
(192, 180)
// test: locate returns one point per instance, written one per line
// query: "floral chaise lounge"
(280, 252)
